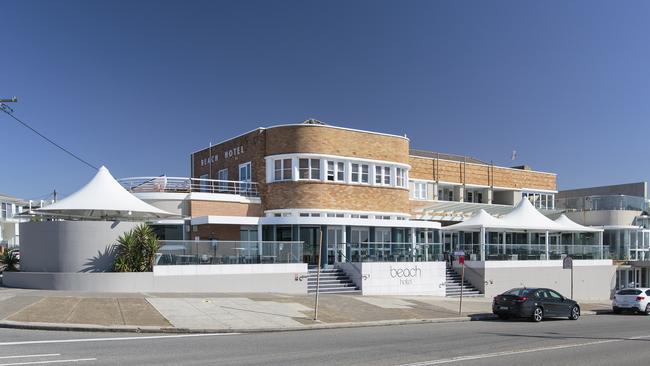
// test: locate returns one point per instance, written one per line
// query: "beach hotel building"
(260, 209)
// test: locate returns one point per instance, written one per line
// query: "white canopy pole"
(482, 242)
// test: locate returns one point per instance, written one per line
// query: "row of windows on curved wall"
(341, 215)
(343, 170)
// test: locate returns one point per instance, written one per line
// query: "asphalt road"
(592, 340)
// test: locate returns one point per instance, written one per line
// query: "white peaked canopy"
(103, 198)
(480, 220)
(574, 226)
(523, 217)
(526, 217)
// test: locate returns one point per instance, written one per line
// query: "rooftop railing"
(187, 185)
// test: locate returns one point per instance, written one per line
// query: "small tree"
(9, 261)
(136, 250)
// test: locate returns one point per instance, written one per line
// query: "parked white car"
(635, 299)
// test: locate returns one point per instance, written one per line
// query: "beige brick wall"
(451, 171)
(204, 208)
(216, 232)
(336, 196)
(336, 141)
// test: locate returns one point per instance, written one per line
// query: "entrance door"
(310, 236)
(335, 244)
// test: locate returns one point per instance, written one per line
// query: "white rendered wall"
(398, 278)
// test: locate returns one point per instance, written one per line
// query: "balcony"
(189, 185)
(602, 203)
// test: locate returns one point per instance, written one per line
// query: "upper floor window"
(245, 172)
(282, 169)
(540, 200)
(335, 171)
(420, 190)
(382, 175)
(360, 173)
(309, 168)
(400, 177)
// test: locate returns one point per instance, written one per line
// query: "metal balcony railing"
(187, 185)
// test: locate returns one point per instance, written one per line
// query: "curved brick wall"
(336, 141)
(335, 196)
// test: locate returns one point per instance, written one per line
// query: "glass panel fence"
(393, 252)
(179, 252)
(538, 251)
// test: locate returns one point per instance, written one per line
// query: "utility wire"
(7, 110)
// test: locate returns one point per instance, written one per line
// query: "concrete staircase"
(454, 286)
(332, 281)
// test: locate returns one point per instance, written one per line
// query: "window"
(359, 173)
(203, 183)
(420, 190)
(222, 176)
(282, 169)
(245, 172)
(309, 168)
(400, 177)
(335, 171)
(382, 175)
(470, 196)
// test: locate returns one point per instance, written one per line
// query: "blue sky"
(139, 85)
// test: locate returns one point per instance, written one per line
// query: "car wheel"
(647, 310)
(617, 311)
(538, 314)
(575, 313)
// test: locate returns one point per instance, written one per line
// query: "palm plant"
(136, 250)
(9, 261)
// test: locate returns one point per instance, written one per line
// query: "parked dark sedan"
(534, 303)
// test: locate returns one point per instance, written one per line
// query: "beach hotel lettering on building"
(257, 207)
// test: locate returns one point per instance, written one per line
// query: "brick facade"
(454, 172)
(219, 208)
(326, 140)
(336, 196)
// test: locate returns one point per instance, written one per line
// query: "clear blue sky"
(137, 86)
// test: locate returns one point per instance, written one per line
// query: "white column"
(259, 239)
(413, 242)
(503, 241)
(344, 241)
(548, 253)
(482, 242)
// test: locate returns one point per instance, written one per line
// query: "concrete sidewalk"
(228, 312)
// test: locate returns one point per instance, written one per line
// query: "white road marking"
(109, 339)
(516, 352)
(46, 362)
(28, 356)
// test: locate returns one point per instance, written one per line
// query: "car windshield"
(518, 292)
(629, 292)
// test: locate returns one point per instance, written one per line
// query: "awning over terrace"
(103, 198)
(524, 217)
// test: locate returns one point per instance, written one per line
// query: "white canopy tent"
(524, 218)
(103, 198)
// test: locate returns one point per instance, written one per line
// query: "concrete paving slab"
(387, 302)
(48, 310)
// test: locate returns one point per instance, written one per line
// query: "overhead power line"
(5, 108)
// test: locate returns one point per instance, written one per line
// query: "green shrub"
(9, 261)
(136, 250)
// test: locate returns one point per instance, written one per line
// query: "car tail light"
(521, 299)
(640, 298)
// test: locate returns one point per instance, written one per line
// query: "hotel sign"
(228, 154)
(406, 275)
